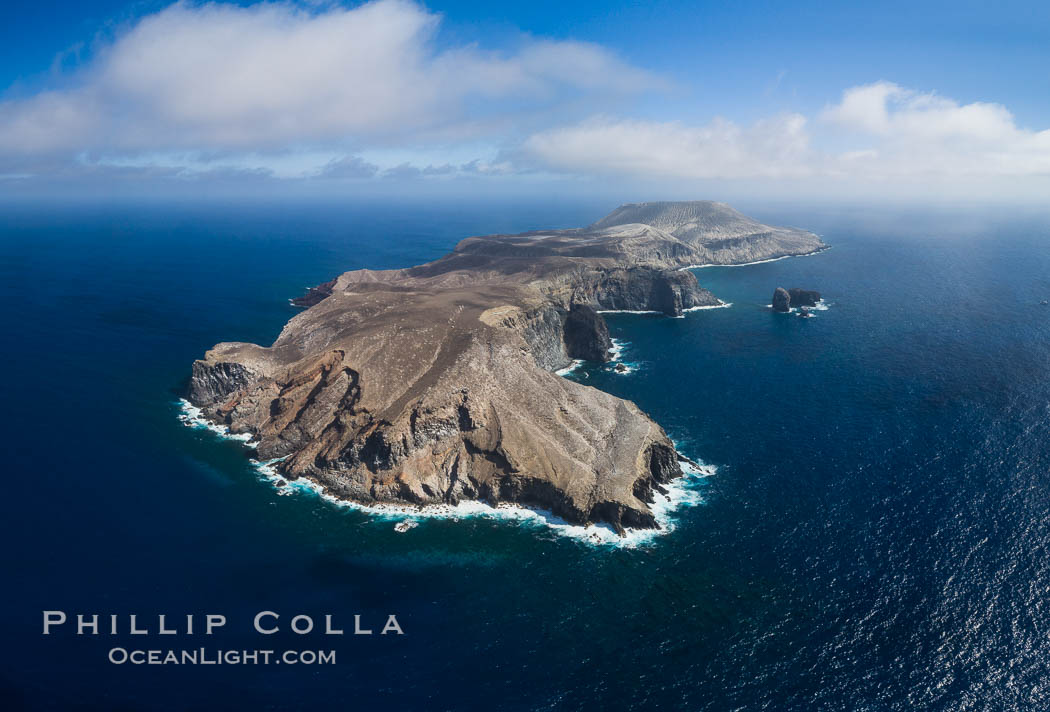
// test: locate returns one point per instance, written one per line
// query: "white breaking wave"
(756, 262)
(627, 311)
(194, 417)
(742, 264)
(570, 368)
(820, 306)
(681, 493)
(720, 305)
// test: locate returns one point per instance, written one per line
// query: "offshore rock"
(781, 300)
(436, 384)
(803, 297)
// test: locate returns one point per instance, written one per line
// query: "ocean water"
(875, 535)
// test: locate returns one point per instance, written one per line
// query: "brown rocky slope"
(436, 383)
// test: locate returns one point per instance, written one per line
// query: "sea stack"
(781, 300)
(803, 297)
(785, 299)
(436, 384)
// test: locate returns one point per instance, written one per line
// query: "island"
(785, 299)
(436, 384)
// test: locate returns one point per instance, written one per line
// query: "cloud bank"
(903, 132)
(893, 132)
(776, 147)
(373, 94)
(274, 75)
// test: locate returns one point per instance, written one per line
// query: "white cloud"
(914, 133)
(887, 109)
(276, 75)
(887, 132)
(775, 147)
(361, 93)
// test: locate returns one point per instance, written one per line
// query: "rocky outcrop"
(314, 294)
(781, 300)
(644, 288)
(786, 299)
(544, 329)
(435, 384)
(215, 381)
(586, 334)
(803, 297)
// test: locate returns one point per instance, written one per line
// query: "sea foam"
(628, 311)
(720, 305)
(681, 493)
(616, 354)
(821, 305)
(742, 264)
(193, 417)
(576, 363)
(757, 262)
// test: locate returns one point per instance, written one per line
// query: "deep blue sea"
(875, 537)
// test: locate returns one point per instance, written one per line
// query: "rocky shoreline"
(436, 384)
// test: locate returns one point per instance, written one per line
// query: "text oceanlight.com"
(203, 656)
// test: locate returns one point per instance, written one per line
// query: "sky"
(657, 99)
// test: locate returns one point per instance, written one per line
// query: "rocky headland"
(436, 384)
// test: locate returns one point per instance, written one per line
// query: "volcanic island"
(436, 384)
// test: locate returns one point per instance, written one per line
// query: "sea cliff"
(435, 384)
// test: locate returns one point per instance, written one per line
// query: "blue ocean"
(875, 534)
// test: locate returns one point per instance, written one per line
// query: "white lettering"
(161, 630)
(53, 618)
(135, 630)
(82, 624)
(212, 622)
(392, 625)
(328, 629)
(309, 624)
(258, 622)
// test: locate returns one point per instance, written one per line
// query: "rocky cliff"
(434, 384)
(586, 334)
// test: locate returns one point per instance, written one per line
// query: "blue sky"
(782, 98)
